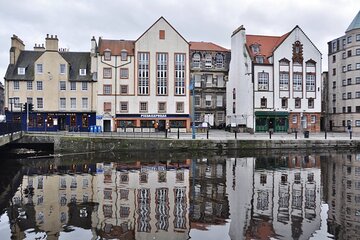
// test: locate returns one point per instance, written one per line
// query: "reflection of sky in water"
(78, 233)
(214, 232)
(5, 232)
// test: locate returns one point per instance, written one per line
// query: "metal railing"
(9, 127)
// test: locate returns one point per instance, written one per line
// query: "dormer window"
(82, 72)
(259, 59)
(123, 55)
(107, 55)
(21, 71)
(255, 48)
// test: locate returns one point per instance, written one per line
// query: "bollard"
(178, 133)
(350, 134)
(166, 133)
(270, 134)
(235, 134)
(207, 134)
(295, 134)
(325, 134)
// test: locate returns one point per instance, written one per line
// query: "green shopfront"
(277, 121)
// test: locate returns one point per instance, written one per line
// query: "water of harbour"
(289, 195)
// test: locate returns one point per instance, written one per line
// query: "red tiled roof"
(207, 46)
(267, 44)
(116, 46)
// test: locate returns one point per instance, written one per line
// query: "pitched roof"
(207, 46)
(26, 60)
(116, 46)
(355, 24)
(162, 18)
(77, 61)
(267, 44)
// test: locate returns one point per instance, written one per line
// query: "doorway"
(161, 126)
(271, 123)
(107, 125)
(62, 123)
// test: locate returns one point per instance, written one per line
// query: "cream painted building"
(144, 83)
(56, 81)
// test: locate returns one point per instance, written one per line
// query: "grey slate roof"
(355, 24)
(26, 59)
(76, 60)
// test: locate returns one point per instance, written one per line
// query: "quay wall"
(76, 144)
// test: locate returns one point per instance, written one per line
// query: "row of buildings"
(161, 80)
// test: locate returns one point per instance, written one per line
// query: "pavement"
(214, 134)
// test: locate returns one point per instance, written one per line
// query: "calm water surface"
(285, 196)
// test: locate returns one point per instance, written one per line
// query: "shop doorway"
(62, 123)
(161, 126)
(271, 124)
(107, 125)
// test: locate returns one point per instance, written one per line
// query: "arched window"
(310, 76)
(196, 60)
(208, 61)
(219, 60)
(284, 70)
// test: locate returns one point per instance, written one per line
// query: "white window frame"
(196, 60)
(310, 82)
(40, 103)
(143, 107)
(73, 103)
(124, 73)
(62, 68)
(39, 68)
(143, 73)
(82, 71)
(297, 81)
(180, 74)
(284, 80)
(180, 107)
(62, 85)
(124, 106)
(72, 86)
(263, 81)
(84, 86)
(21, 71)
(294, 119)
(29, 85)
(162, 73)
(107, 72)
(62, 103)
(16, 85)
(208, 60)
(85, 103)
(39, 85)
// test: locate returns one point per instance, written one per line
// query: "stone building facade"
(209, 71)
(344, 79)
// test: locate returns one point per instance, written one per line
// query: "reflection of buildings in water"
(209, 203)
(142, 201)
(239, 186)
(343, 195)
(279, 197)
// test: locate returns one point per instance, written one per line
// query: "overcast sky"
(76, 21)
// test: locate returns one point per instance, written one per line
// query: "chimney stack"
(17, 45)
(51, 43)
(39, 47)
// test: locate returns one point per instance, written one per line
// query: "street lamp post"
(192, 88)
